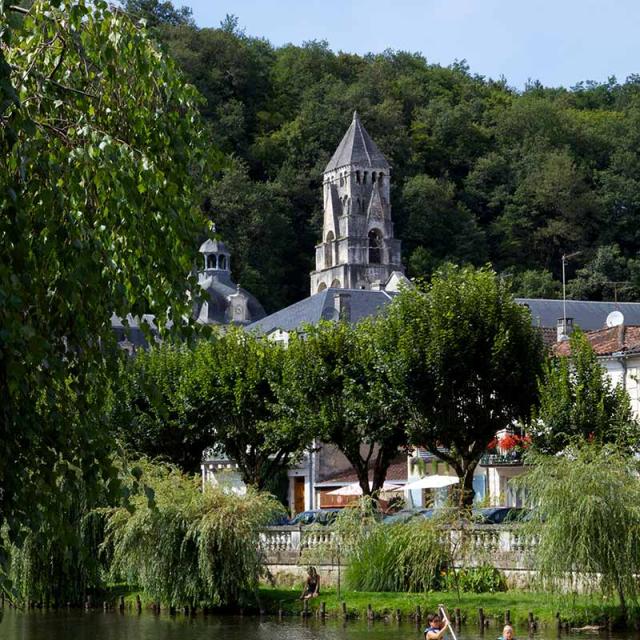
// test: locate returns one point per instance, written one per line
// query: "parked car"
(405, 514)
(315, 516)
(499, 515)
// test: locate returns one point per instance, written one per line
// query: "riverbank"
(574, 611)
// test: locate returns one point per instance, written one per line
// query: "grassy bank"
(575, 610)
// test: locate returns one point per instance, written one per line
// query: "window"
(375, 246)
(380, 176)
(335, 284)
(341, 180)
(321, 287)
(328, 250)
(212, 262)
(222, 262)
(364, 178)
(358, 177)
(373, 178)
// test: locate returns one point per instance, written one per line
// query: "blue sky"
(557, 42)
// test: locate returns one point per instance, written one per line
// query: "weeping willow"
(586, 526)
(58, 563)
(184, 546)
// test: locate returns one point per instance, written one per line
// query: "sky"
(558, 42)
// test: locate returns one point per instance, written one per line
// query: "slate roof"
(219, 286)
(357, 147)
(320, 306)
(586, 315)
(214, 246)
(605, 342)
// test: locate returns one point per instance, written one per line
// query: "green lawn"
(578, 610)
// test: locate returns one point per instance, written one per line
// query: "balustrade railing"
(479, 543)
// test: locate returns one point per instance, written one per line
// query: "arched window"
(328, 250)
(358, 176)
(211, 261)
(222, 262)
(335, 284)
(375, 246)
(364, 178)
(373, 177)
(380, 177)
(321, 287)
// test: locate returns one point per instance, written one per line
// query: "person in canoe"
(436, 629)
(507, 633)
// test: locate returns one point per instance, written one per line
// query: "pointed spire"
(357, 147)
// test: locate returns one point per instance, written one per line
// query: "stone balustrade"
(502, 546)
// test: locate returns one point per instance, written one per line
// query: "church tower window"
(375, 246)
(358, 176)
(328, 250)
(212, 261)
(364, 178)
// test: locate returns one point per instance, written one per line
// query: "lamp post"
(565, 257)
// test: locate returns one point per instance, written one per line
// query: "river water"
(78, 625)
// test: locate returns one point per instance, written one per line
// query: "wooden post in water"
(481, 618)
(323, 610)
(398, 615)
(531, 622)
(344, 610)
(138, 604)
(280, 613)
(305, 609)
(418, 614)
(558, 623)
(457, 617)
(369, 612)
(507, 617)
(121, 605)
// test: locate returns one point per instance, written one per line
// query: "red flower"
(508, 442)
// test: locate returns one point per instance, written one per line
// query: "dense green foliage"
(100, 163)
(337, 376)
(480, 171)
(226, 393)
(578, 403)
(184, 545)
(586, 521)
(466, 359)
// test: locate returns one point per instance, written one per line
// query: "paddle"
(443, 614)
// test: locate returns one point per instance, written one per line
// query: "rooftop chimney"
(342, 304)
(563, 331)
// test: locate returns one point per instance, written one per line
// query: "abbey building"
(357, 249)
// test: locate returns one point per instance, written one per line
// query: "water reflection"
(78, 625)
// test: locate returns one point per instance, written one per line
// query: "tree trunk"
(465, 491)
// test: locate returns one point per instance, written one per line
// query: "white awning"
(431, 482)
(354, 489)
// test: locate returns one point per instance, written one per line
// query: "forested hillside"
(481, 172)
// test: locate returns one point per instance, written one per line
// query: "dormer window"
(212, 262)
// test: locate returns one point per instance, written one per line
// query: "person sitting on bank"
(311, 585)
(507, 633)
(436, 628)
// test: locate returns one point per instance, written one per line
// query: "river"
(78, 625)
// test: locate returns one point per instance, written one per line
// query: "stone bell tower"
(357, 247)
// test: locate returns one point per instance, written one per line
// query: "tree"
(578, 403)
(339, 381)
(159, 12)
(467, 361)
(98, 168)
(190, 547)
(586, 520)
(232, 385)
(147, 412)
